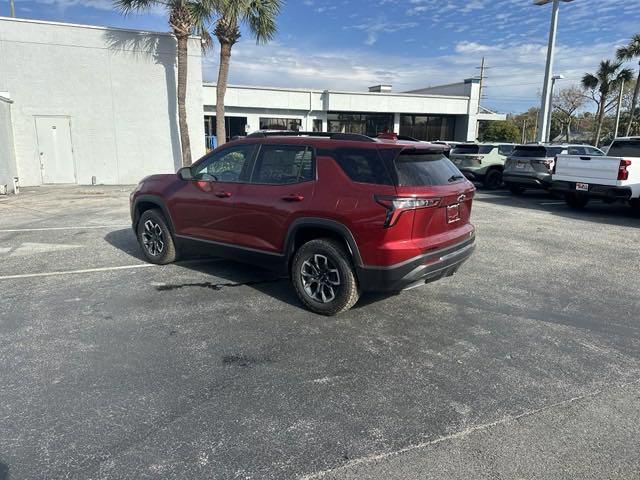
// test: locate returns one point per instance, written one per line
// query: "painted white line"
(552, 203)
(103, 269)
(74, 272)
(43, 229)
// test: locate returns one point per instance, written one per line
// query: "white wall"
(7, 154)
(118, 88)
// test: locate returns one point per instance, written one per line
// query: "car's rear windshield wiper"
(453, 178)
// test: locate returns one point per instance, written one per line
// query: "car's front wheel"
(155, 238)
(323, 277)
(493, 179)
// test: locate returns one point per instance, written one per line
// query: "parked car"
(340, 213)
(530, 165)
(482, 162)
(615, 177)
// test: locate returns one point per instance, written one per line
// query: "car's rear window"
(625, 148)
(536, 151)
(472, 149)
(425, 169)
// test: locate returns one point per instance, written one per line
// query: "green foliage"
(498, 131)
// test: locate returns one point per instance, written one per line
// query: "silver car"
(531, 165)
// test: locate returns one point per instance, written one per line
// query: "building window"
(363, 123)
(317, 125)
(428, 127)
(280, 124)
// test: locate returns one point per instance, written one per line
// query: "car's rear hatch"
(532, 159)
(424, 174)
(469, 154)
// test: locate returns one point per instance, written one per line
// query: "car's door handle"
(293, 198)
(223, 194)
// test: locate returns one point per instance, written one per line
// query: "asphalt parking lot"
(526, 364)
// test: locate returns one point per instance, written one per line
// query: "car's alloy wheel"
(493, 179)
(153, 238)
(320, 278)
(323, 276)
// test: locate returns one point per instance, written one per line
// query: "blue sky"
(349, 45)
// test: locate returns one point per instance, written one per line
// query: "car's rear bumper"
(611, 192)
(425, 268)
(528, 179)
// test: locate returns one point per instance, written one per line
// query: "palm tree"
(629, 52)
(260, 18)
(608, 77)
(186, 17)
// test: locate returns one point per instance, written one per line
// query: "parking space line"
(101, 269)
(43, 229)
(552, 203)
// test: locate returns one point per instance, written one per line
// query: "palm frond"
(129, 6)
(590, 81)
(260, 16)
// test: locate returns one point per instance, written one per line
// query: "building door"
(55, 150)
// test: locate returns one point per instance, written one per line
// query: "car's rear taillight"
(396, 205)
(623, 173)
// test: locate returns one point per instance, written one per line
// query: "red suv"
(340, 214)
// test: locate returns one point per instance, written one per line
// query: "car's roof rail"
(333, 136)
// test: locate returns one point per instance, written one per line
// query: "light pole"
(13, 8)
(546, 89)
(553, 84)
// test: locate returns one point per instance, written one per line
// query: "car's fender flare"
(324, 223)
(156, 200)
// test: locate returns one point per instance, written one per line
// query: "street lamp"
(553, 84)
(546, 89)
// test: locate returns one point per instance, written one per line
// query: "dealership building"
(85, 104)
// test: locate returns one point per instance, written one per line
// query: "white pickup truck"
(615, 177)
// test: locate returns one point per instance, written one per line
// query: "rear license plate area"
(520, 165)
(453, 213)
(582, 187)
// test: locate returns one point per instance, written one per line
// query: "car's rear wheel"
(493, 179)
(516, 189)
(575, 200)
(155, 238)
(323, 277)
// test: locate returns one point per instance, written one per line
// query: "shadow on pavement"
(596, 211)
(234, 274)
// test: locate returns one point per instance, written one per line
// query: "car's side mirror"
(185, 173)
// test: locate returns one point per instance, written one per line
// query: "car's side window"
(505, 149)
(594, 152)
(226, 165)
(576, 151)
(283, 164)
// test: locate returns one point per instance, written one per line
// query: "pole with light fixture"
(13, 8)
(546, 89)
(547, 137)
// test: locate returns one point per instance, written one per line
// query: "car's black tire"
(493, 179)
(325, 287)
(576, 201)
(155, 238)
(634, 203)
(515, 189)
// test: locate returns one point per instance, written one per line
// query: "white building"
(448, 112)
(83, 104)
(93, 102)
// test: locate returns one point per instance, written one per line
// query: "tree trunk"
(221, 90)
(596, 141)
(634, 102)
(569, 130)
(182, 96)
